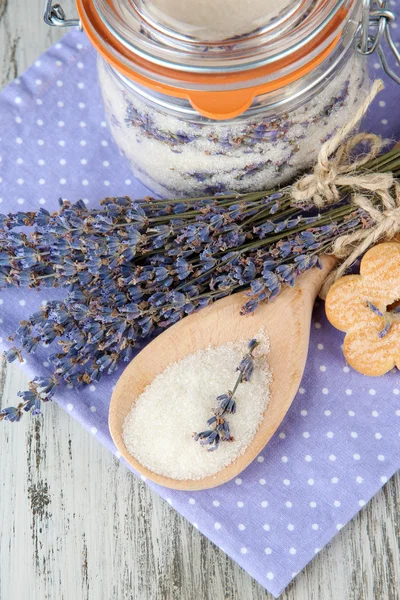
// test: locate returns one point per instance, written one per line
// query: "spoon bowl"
(287, 322)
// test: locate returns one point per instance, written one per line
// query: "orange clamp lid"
(212, 103)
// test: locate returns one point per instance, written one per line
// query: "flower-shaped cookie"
(367, 308)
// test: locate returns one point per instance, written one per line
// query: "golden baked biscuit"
(367, 308)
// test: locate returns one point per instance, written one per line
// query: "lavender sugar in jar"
(227, 96)
(192, 155)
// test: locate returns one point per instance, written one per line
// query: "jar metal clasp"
(54, 15)
(374, 28)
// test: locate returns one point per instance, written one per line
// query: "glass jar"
(230, 96)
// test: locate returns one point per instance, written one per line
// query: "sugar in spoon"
(286, 319)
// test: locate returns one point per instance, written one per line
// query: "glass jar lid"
(192, 44)
(224, 53)
(215, 21)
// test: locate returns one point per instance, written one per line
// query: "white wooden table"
(75, 524)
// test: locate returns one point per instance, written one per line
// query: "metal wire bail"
(54, 15)
(375, 27)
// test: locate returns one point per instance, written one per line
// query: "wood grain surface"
(75, 524)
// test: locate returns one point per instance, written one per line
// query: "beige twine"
(351, 246)
(335, 168)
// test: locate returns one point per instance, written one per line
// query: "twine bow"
(351, 246)
(335, 168)
(334, 165)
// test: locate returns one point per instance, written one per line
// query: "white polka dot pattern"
(341, 438)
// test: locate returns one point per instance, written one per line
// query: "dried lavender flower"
(374, 309)
(388, 319)
(131, 268)
(387, 327)
(219, 430)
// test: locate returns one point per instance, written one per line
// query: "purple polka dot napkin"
(339, 442)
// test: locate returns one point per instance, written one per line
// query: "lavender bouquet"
(130, 268)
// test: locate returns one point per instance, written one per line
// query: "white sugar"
(159, 429)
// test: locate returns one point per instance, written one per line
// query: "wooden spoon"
(287, 322)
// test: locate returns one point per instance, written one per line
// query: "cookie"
(367, 308)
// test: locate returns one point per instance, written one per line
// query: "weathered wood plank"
(76, 537)
(74, 523)
(23, 35)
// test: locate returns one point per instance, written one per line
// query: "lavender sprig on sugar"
(218, 425)
(131, 268)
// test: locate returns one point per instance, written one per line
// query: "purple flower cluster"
(145, 123)
(131, 268)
